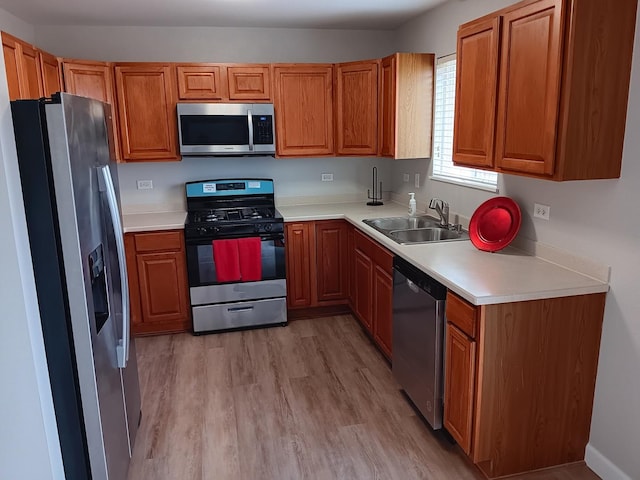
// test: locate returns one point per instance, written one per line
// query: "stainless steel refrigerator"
(70, 190)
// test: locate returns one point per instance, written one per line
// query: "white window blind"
(443, 167)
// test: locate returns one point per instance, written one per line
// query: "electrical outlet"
(405, 178)
(541, 211)
(145, 184)
(327, 177)
(416, 182)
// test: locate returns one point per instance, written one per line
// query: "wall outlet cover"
(417, 180)
(327, 177)
(541, 211)
(405, 177)
(145, 184)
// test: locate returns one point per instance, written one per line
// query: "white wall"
(293, 177)
(593, 219)
(28, 436)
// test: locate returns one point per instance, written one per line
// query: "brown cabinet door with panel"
(22, 68)
(382, 309)
(356, 108)
(93, 80)
(201, 81)
(157, 270)
(332, 260)
(363, 301)
(50, 69)
(301, 270)
(476, 94)
(459, 388)
(530, 88)
(387, 107)
(249, 82)
(304, 110)
(146, 98)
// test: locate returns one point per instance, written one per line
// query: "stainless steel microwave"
(226, 129)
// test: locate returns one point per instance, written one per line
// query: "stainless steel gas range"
(235, 255)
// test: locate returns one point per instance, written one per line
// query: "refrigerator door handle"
(106, 185)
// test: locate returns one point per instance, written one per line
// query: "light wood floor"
(313, 400)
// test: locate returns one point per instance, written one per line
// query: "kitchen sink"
(420, 235)
(422, 229)
(401, 223)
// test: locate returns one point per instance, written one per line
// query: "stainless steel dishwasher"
(418, 336)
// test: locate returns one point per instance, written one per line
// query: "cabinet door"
(147, 111)
(93, 80)
(387, 107)
(162, 282)
(201, 82)
(528, 100)
(460, 371)
(332, 260)
(382, 310)
(50, 68)
(304, 112)
(363, 288)
(31, 72)
(11, 53)
(476, 94)
(300, 247)
(356, 108)
(250, 82)
(351, 251)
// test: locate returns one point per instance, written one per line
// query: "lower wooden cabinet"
(317, 263)
(158, 285)
(382, 307)
(363, 288)
(520, 380)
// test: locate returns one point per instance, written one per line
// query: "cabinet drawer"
(159, 241)
(462, 314)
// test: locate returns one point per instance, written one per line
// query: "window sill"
(466, 183)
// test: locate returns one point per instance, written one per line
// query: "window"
(443, 167)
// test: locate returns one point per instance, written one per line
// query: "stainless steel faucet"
(442, 209)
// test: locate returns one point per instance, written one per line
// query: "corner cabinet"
(542, 89)
(93, 80)
(304, 109)
(405, 105)
(522, 367)
(157, 269)
(146, 94)
(356, 108)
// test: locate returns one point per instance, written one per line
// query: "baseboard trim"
(602, 466)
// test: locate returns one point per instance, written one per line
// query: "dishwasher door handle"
(414, 288)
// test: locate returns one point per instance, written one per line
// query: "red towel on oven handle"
(227, 260)
(250, 251)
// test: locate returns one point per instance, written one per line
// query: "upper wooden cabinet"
(22, 67)
(249, 82)
(406, 105)
(224, 82)
(201, 81)
(356, 108)
(304, 109)
(556, 106)
(93, 80)
(50, 70)
(146, 94)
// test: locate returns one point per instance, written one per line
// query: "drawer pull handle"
(239, 309)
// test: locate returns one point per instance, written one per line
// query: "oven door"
(206, 288)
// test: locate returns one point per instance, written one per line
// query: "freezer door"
(79, 148)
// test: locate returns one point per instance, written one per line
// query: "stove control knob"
(202, 230)
(215, 229)
(257, 227)
(267, 227)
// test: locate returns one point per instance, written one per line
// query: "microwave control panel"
(263, 129)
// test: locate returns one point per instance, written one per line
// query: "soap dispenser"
(412, 204)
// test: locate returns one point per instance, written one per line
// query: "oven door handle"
(250, 122)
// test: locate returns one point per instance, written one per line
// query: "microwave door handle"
(250, 122)
(106, 185)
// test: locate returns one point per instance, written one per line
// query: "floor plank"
(314, 400)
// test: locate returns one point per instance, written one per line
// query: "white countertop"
(482, 278)
(146, 222)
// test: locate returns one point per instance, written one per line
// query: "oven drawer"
(207, 318)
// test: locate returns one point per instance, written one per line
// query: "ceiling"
(342, 14)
